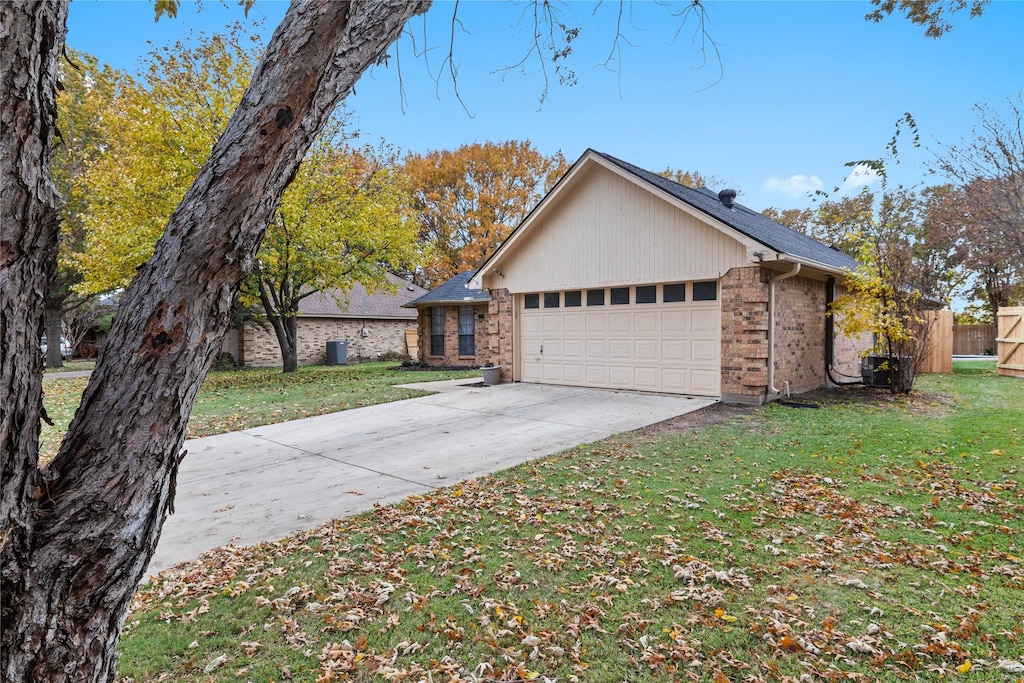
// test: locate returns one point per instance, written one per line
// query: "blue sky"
(797, 88)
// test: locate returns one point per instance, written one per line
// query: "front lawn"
(856, 537)
(241, 399)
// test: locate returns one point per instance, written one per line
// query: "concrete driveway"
(267, 482)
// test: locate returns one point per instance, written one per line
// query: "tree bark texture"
(31, 39)
(69, 574)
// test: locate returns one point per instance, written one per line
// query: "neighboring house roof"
(358, 303)
(747, 225)
(452, 292)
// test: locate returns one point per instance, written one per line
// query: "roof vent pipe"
(728, 198)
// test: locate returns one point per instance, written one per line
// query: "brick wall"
(493, 342)
(800, 334)
(260, 348)
(451, 357)
(744, 335)
(499, 331)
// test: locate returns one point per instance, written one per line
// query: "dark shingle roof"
(358, 303)
(773, 235)
(454, 291)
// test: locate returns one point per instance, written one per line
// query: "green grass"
(873, 538)
(240, 399)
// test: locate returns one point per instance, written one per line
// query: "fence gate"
(1010, 342)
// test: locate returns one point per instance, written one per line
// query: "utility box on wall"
(337, 352)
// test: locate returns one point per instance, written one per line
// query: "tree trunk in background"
(54, 334)
(75, 548)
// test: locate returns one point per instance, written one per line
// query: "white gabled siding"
(606, 230)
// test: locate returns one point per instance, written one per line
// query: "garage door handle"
(542, 348)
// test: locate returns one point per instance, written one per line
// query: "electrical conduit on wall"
(771, 325)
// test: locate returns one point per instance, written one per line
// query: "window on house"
(595, 297)
(647, 294)
(467, 331)
(620, 295)
(573, 299)
(550, 299)
(437, 331)
(531, 301)
(676, 292)
(705, 291)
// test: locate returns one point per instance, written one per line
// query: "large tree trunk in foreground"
(75, 549)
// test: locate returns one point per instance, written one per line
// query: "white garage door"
(642, 338)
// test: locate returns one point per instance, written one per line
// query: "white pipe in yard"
(771, 324)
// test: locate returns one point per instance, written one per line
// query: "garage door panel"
(669, 347)
(675, 350)
(620, 322)
(646, 322)
(675, 380)
(707, 320)
(620, 349)
(675, 322)
(646, 350)
(572, 373)
(647, 378)
(620, 376)
(596, 323)
(531, 325)
(551, 373)
(572, 323)
(572, 348)
(704, 381)
(596, 375)
(705, 351)
(552, 324)
(597, 349)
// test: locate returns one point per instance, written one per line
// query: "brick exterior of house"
(259, 347)
(799, 335)
(493, 333)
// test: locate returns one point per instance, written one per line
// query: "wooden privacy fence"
(1010, 341)
(974, 340)
(938, 354)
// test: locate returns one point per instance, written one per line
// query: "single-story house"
(622, 279)
(374, 323)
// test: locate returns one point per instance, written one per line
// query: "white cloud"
(860, 176)
(794, 185)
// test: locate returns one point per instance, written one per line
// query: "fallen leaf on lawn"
(1011, 666)
(860, 646)
(215, 664)
(720, 613)
(965, 667)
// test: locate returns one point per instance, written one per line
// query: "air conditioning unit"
(879, 371)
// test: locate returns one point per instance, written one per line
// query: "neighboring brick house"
(374, 323)
(622, 279)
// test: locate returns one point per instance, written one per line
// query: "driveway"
(267, 482)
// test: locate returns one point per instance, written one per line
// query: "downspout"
(771, 324)
(830, 336)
